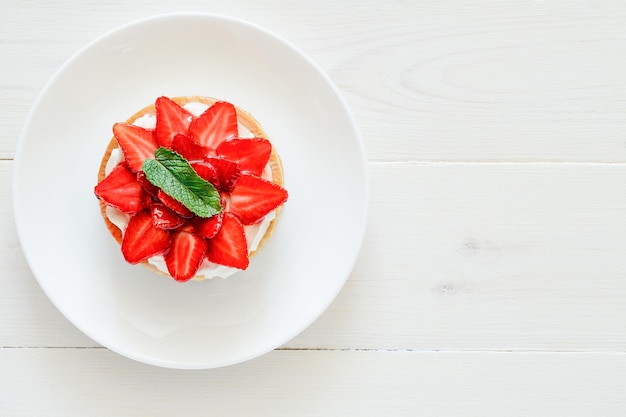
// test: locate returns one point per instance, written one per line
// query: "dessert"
(190, 187)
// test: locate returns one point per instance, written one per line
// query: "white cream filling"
(208, 270)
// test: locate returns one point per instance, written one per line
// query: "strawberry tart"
(190, 187)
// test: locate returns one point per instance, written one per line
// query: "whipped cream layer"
(207, 270)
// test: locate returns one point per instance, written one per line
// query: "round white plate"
(129, 309)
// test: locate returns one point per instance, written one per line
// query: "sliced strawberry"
(208, 227)
(228, 172)
(185, 254)
(164, 218)
(137, 144)
(174, 205)
(121, 190)
(171, 119)
(229, 246)
(150, 188)
(142, 240)
(189, 148)
(253, 198)
(187, 227)
(206, 171)
(250, 154)
(225, 201)
(217, 124)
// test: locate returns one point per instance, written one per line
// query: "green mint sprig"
(172, 173)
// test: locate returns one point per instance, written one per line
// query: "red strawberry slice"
(171, 119)
(206, 172)
(217, 124)
(137, 144)
(228, 172)
(142, 240)
(250, 154)
(175, 205)
(253, 197)
(229, 246)
(185, 254)
(150, 188)
(164, 218)
(187, 227)
(189, 148)
(121, 190)
(208, 227)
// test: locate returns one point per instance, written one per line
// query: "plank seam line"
(373, 350)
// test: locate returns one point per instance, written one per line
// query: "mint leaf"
(172, 173)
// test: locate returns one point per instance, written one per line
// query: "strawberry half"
(228, 172)
(253, 197)
(150, 188)
(142, 240)
(217, 124)
(250, 154)
(164, 218)
(185, 254)
(120, 189)
(171, 119)
(189, 148)
(174, 204)
(229, 246)
(137, 144)
(206, 171)
(208, 227)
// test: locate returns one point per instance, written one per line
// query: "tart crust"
(243, 118)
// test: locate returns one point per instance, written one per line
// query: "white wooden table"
(492, 279)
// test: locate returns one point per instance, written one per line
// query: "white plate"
(127, 308)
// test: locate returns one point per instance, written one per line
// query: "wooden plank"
(487, 256)
(490, 81)
(456, 256)
(96, 382)
(449, 80)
